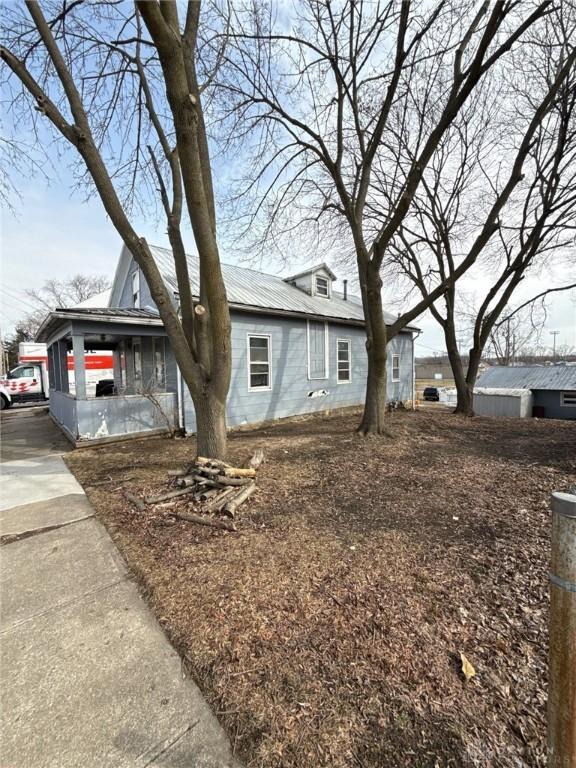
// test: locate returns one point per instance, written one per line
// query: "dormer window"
(322, 286)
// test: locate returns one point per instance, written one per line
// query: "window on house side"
(259, 362)
(322, 286)
(317, 350)
(136, 287)
(343, 361)
(568, 398)
(395, 367)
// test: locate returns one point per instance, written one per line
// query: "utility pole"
(554, 333)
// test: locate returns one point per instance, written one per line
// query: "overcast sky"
(56, 234)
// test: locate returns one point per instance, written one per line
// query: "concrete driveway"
(87, 676)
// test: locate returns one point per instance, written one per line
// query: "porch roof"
(59, 322)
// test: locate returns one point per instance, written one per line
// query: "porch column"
(63, 365)
(117, 370)
(56, 367)
(51, 368)
(79, 366)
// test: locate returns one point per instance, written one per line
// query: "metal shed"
(516, 403)
(553, 387)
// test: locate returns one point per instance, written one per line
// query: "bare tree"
(327, 97)
(57, 293)
(67, 293)
(534, 197)
(121, 85)
(515, 335)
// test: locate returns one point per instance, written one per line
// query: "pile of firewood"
(216, 487)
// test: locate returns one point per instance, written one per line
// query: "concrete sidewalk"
(87, 678)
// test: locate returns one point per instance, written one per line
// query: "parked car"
(432, 394)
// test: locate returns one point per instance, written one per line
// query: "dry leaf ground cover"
(328, 630)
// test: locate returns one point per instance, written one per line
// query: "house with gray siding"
(298, 347)
(553, 387)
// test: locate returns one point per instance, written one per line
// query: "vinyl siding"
(126, 294)
(551, 402)
(291, 387)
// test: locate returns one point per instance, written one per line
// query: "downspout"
(414, 337)
(180, 399)
(179, 380)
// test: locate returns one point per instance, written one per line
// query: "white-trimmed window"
(322, 286)
(395, 367)
(343, 347)
(259, 365)
(568, 398)
(136, 287)
(317, 350)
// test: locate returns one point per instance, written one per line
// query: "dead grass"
(327, 631)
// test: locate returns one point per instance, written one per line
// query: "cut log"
(169, 495)
(208, 494)
(213, 522)
(218, 501)
(136, 501)
(178, 472)
(255, 460)
(231, 507)
(211, 462)
(221, 481)
(239, 472)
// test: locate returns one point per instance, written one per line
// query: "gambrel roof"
(249, 289)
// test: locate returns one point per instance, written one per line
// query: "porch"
(135, 392)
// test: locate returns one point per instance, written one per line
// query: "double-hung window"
(259, 366)
(343, 361)
(317, 350)
(568, 398)
(395, 367)
(322, 287)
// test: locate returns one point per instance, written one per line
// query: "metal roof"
(248, 288)
(60, 318)
(501, 392)
(113, 312)
(529, 377)
(310, 271)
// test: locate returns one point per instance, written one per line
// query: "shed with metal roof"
(552, 388)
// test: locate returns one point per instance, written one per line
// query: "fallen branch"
(212, 522)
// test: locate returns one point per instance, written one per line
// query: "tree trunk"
(374, 416)
(464, 395)
(464, 399)
(475, 356)
(210, 426)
